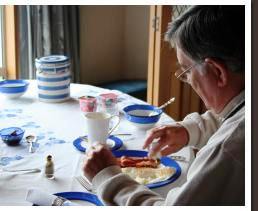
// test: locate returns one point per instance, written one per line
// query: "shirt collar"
(232, 104)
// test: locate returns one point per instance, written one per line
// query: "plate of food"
(153, 173)
(81, 196)
(113, 142)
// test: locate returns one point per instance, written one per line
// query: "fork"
(84, 183)
(178, 158)
(35, 170)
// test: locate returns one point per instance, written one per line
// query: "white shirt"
(216, 176)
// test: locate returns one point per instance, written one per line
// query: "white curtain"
(46, 30)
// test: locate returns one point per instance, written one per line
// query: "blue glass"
(12, 135)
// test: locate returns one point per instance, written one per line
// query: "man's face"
(200, 78)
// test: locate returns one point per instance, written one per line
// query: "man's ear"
(220, 71)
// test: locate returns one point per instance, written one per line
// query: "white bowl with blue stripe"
(53, 88)
(142, 116)
(13, 88)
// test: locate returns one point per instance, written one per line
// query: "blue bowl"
(139, 115)
(12, 135)
(13, 88)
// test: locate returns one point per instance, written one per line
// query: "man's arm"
(111, 185)
(194, 130)
(116, 188)
(200, 127)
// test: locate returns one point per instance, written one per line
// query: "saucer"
(113, 142)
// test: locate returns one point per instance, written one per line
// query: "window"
(2, 65)
(178, 10)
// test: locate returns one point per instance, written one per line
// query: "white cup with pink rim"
(97, 126)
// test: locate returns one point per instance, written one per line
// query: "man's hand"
(98, 158)
(171, 138)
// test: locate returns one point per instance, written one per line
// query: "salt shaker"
(156, 155)
(49, 167)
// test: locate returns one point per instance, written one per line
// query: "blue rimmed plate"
(80, 196)
(166, 161)
(113, 142)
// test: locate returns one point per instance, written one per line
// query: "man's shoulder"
(236, 128)
(234, 145)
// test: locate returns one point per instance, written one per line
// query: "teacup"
(97, 125)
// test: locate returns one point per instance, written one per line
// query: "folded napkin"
(41, 198)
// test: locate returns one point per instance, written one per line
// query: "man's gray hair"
(209, 31)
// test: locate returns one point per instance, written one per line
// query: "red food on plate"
(137, 162)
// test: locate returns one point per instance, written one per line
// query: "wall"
(101, 39)
(114, 43)
(136, 29)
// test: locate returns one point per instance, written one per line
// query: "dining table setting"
(43, 164)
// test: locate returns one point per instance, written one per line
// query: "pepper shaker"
(49, 167)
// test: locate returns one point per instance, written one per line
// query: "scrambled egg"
(149, 175)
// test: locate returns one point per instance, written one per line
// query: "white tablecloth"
(57, 125)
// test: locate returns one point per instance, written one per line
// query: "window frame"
(2, 56)
(10, 42)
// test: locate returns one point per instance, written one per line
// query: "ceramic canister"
(53, 78)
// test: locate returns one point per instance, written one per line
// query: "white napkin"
(41, 198)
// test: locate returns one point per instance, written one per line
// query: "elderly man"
(209, 42)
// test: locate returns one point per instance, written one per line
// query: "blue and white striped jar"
(53, 78)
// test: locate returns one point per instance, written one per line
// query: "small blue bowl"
(13, 88)
(139, 115)
(12, 135)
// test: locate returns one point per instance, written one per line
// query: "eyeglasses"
(181, 73)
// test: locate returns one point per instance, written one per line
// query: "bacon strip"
(137, 162)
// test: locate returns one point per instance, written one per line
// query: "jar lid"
(52, 59)
(49, 157)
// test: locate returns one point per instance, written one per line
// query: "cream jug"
(97, 125)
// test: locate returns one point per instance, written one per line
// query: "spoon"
(14, 133)
(163, 106)
(31, 139)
